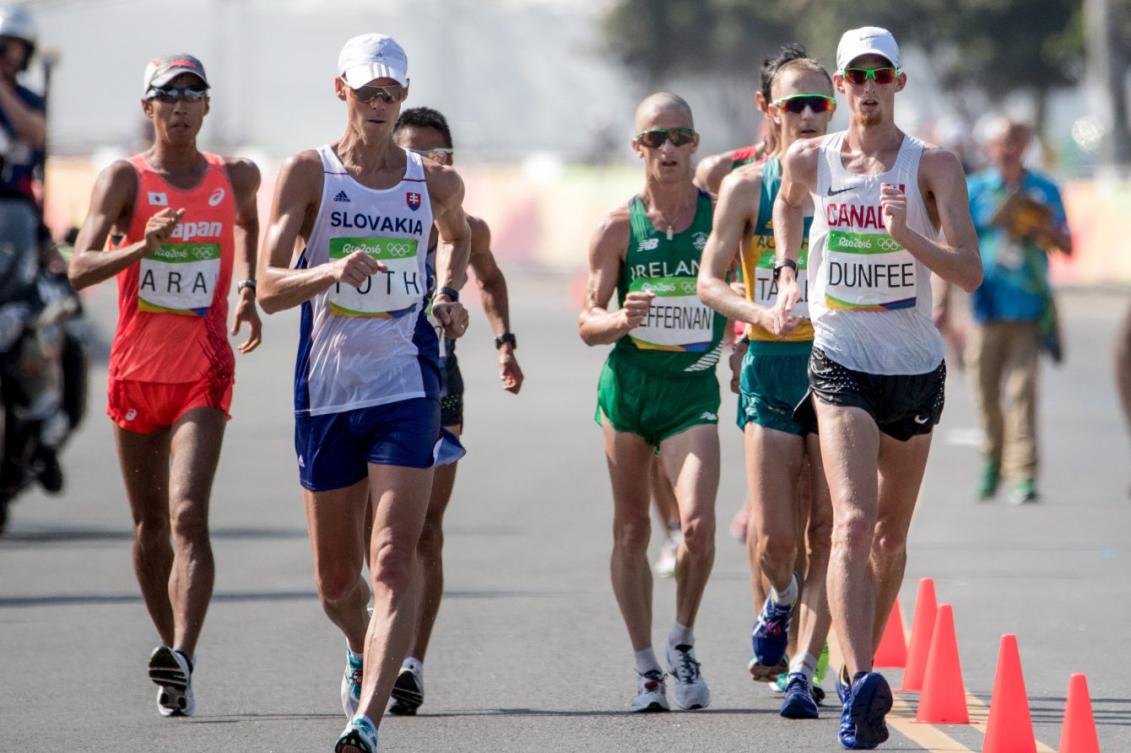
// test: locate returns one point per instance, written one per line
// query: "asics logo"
(853, 187)
(158, 198)
(131, 414)
(216, 197)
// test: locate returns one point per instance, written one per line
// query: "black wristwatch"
(451, 293)
(506, 337)
(783, 263)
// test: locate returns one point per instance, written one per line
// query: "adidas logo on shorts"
(342, 196)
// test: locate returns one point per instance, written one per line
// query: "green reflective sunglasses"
(654, 138)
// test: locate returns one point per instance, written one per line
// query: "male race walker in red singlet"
(179, 219)
(889, 211)
(348, 242)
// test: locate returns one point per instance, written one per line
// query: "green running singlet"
(681, 335)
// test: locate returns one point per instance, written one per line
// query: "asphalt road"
(530, 653)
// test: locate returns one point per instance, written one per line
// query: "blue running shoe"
(862, 725)
(770, 636)
(798, 702)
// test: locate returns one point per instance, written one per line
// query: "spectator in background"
(1020, 219)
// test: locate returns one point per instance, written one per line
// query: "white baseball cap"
(867, 40)
(371, 56)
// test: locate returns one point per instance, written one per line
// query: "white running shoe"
(665, 563)
(408, 693)
(172, 673)
(651, 693)
(690, 688)
(359, 735)
(351, 686)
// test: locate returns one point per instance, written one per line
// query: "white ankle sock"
(646, 661)
(788, 596)
(681, 635)
(806, 664)
(414, 664)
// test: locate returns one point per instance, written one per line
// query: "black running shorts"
(902, 405)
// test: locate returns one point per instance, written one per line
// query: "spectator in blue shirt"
(1020, 219)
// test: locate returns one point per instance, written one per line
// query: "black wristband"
(783, 263)
(451, 293)
(506, 337)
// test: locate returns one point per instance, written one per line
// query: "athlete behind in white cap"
(367, 377)
(889, 211)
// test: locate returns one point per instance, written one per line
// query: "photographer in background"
(1020, 219)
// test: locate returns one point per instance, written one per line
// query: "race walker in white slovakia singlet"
(373, 345)
(871, 299)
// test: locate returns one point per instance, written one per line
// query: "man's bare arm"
(454, 248)
(297, 193)
(956, 260)
(111, 200)
(736, 211)
(710, 171)
(245, 178)
(496, 304)
(597, 325)
(492, 284)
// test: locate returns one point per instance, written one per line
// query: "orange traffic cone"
(943, 700)
(1078, 735)
(922, 625)
(1010, 727)
(893, 645)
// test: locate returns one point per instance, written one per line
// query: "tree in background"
(992, 47)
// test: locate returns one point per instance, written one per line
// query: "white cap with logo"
(867, 40)
(371, 56)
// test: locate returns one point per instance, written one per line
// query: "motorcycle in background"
(43, 360)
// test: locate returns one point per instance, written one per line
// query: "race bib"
(384, 295)
(179, 278)
(766, 290)
(677, 319)
(868, 272)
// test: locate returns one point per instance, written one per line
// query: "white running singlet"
(373, 345)
(871, 299)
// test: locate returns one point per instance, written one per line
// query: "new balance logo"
(708, 416)
(342, 196)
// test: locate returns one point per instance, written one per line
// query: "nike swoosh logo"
(853, 187)
(922, 419)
